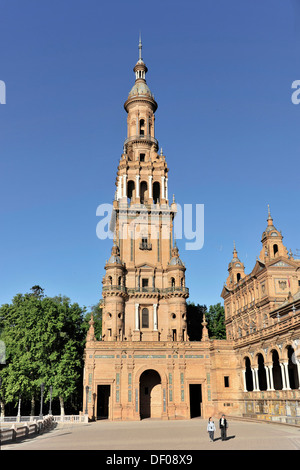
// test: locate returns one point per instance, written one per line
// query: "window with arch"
(142, 127)
(143, 191)
(172, 282)
(275, 249)
(109, 280)
(238, 277)
(145, 318)
(156, 192)
(248, 375)
(130, 189)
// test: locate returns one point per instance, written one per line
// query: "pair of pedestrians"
(211, 428)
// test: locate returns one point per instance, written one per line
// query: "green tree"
(215, 318)
(44, 339)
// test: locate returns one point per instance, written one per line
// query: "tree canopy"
(44, 341)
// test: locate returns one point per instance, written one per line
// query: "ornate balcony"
(141, 138)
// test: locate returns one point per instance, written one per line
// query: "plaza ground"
(159, 435)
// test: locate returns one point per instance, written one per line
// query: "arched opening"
(292, 369)
(150, 394)
(142, 126)
(156, 192)
(248, 375)
(109, 280)
(275, 249)
(277, 379)
(143, 192)
(262, 377)
(238, 277)
(145, 318)
(119, 280)
(172, 282)
(130, 189)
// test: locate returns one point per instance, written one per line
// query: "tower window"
(143, 192)
(238, 277)
(142, 157)
(145, 318)
(156, 192)
(130, 189)
(144, 283)
(226, 381)
(142, 127)
(275, 249)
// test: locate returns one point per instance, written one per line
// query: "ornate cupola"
(236, 269)
(272, 242)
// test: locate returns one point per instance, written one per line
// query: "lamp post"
(50, 410)
(42, 394)
(86, 401)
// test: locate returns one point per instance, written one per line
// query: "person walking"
(223, 426)
(211, 429)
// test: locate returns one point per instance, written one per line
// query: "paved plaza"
(162, 435)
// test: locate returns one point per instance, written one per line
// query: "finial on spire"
(234, 250)
(270, 220)
(140, 47)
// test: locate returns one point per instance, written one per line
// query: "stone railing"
(21, 431)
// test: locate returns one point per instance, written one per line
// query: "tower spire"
(140, 47)
(270, 220)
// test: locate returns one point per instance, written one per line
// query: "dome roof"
(175, 261)
(115, 252)
(140, 88)
(114, 259)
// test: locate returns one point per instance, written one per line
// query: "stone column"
(137, 322)
(137, 185)
(244, 379)
(155, 316)
(124, 186)
(268, 378)
(283, 377)
(271, 377)
(287, 378)
(253, 380)
(163, 187)
(150, 186)
(166, 189)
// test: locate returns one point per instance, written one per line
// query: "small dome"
(140, 89)
(175, 261)
(114, 259)
(115, 252)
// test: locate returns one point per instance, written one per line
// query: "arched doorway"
(292, 369)
(150, 394)
(277, 379)
(262, 377)
(248, 375)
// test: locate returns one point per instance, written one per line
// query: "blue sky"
(221, 73)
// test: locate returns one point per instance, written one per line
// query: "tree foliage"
(44, 339)
(214, 317)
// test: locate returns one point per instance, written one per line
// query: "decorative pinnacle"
(270, 220)
(140, 47)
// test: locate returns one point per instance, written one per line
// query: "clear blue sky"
(221, 73)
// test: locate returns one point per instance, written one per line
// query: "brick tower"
(144, 364)
(144, 286)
